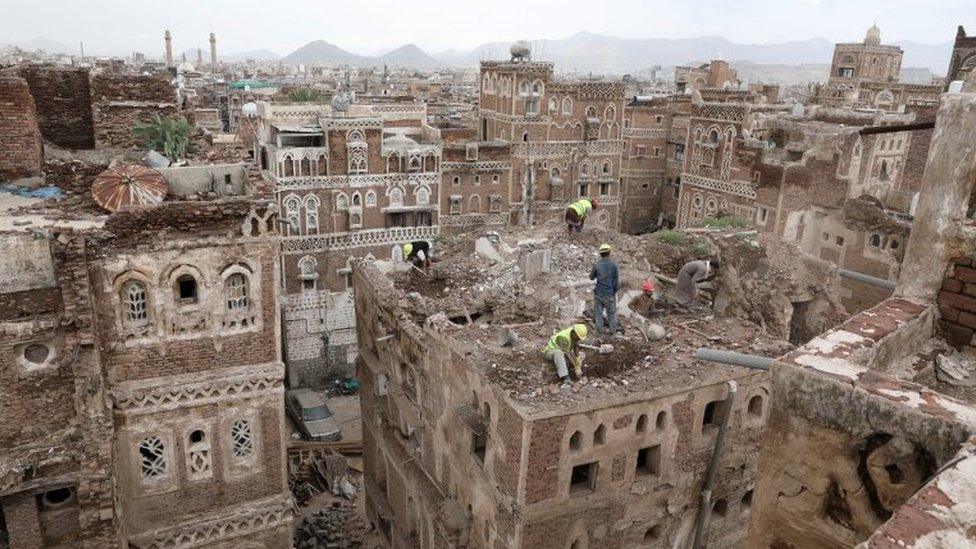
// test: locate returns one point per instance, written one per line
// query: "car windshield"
(317, 413)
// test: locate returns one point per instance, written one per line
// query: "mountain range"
(588, 52)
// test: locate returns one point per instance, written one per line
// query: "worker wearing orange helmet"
(645, 304)
(565, 344)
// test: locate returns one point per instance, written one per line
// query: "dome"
(873, 37)
(249, 109)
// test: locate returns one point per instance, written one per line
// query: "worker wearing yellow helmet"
(418, 253)
(565, 344)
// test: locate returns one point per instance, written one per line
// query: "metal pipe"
(755, 362)
(705, 503)
(874, 130)
(868, 279)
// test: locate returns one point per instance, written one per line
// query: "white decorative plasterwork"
(728, 187)
(254, 517)
(720, 111)
(646, 133)
(558, 149)
(352, 123)
(483, 166)
(358, 239)
(189, 390)
(365, 180)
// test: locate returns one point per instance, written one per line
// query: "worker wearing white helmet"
(563, 344)
(418, 253)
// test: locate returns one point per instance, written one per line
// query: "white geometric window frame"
(242, 448)
(357, 160)
(135, 303)
(292, 206)
(396, 196)
(237, 289)
(342, 201)
(370, 198)
(199, 457)
(422, 194)
(152, 460)
(311, 205)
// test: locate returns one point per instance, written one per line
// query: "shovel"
(603, 349)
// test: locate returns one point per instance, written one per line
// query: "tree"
(308, 95)
(170, 136)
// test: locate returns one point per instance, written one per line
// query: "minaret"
(199, 58)
(169, 49)
(213, 53)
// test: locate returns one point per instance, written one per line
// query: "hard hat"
(580, 330)
(648, 286)
(407, 248)
(604, 248)
(594, 202)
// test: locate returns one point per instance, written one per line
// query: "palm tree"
(170, 136)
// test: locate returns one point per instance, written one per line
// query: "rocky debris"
(956, 369)
(329, 528)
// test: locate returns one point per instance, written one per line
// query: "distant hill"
(588, 52)
(324, 53)
(410, 57)
(41, 43)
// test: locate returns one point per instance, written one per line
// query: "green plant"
(672, 237)
(726, 222)
(307, 95)
(170, 136)
(700, 248)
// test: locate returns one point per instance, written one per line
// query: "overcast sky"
(375, 26)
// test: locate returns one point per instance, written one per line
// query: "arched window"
(713, 137)
(537, 88)
(186, 289)
(342, 201)
(370, 198)
(393, 163)
(288, 166)
(554, 172)
(414, 163)
(591, 112)
(237, 292)
(357, 199)
(292, 207)
(311, 214)
(307, 266)
(553, 105)
(322, 165)
(523, 88)
(135, 311)
(396, 197)
(600, 435)
(357, 161)
(567, 106)
(584, 169)
(355, 136)
(607, 167)
(575, 440)
(610, 113)
(423, 196)
(474, 204)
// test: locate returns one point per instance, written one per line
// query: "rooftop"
(477, 299)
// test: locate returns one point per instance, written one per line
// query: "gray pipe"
(735, 359)
(868, 279)
(705, 503)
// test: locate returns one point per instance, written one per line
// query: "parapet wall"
(63, 103)
(21, 152)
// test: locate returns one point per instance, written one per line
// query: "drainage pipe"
(755, 362)
(705, 503)
(868, 279)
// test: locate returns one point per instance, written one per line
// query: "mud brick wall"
(957, 303)
(121, 101)
(21, 151)
(63, 101)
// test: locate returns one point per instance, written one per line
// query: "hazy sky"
(374, 26)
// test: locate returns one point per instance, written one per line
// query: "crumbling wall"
(957, 303)
(119, 102)
(63, 99)
(20, 137)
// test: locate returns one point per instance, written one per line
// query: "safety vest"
(581, 207)
(560, 340)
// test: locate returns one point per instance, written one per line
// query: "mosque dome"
(873, 37)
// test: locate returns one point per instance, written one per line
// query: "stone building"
(468, 444)
(143, 380)
(356, 183)
(646, 126)
(566, 137)
(715, 75)
(476, 182)
(866, 75)
(963, 59)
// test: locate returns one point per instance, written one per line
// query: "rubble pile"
(336, 526)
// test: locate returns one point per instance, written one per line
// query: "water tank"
(521, 51)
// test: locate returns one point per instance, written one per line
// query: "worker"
(576, 213)
(418, 253)
(690, 277)
(565, 344)
(645, 304)
(607, 277)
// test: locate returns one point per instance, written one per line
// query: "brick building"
(476, 182)
(715, 75)
(963, 59)
(143, 384)
(20, 135)
(566, 137)
(357, 183)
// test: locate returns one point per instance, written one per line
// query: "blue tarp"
(43, 193)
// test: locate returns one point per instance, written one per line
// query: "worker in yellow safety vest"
(563, 344)
(576, 213)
